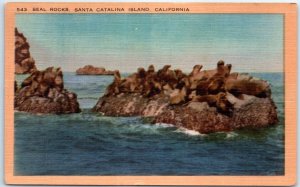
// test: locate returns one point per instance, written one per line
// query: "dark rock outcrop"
(128, 104)
(253, 113)
(206, 101)
(91, 70)
(24, 63)
(43, 92)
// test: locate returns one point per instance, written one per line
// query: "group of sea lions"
(211, 86)
(45, 83)
(44, 92)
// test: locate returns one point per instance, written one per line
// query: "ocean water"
(91, 144)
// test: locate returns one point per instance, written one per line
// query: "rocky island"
(91, 70)
(44, 92)
(206, 101)
(24, 63)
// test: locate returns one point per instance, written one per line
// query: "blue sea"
(91, 144)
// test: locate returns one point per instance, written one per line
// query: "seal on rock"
(204, 100)
(178, 96)
(258, 88)
(113, 89)
(167, 76)
(219, 101)
(44, 92)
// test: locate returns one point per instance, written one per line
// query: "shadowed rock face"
(91, 70)
(24, 63)
(206, 101)
(131, 105)
(43, 92)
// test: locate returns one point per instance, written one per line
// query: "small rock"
(91, 70)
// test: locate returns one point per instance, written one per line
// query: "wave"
(189, 132)
(142, 128)
(164, 125)
(230, 135)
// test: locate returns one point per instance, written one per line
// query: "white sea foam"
(180, 130)
(164, 125)
(189, 132)
(231, 135)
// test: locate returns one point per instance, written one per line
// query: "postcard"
(150, 94)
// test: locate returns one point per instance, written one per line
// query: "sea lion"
(201, 87)
(167, 76)
(179, 74)
(53, 93)
(34, 76)
(167, 89)
(196, 69)
(27, 81)
(150, 74)
(227, 70)
(140, 79)
(151, 88)
(42, 89)
(178, 96)
(183, 82)
(152, 85)
(141, 73)
(162, 71)
(215, 86)
(219, 101)
(49, 76)
(39, 76)
(220, 63)
(113, 88)
(192, 95)
(117, 76)
(129, 84)
(258, 88)
(215, 83)
(223, 104)
(171, 78)
(134, 82)
(223, 71)
(194, 75)
(59, 83)
(151, 69)
(58, 80)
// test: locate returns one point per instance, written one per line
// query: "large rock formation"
(206, 101)
(91, 70)
(24, 63)
(43, 92)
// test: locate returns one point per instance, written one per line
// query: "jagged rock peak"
(24, 63)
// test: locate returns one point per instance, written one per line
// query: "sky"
(250, 42)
